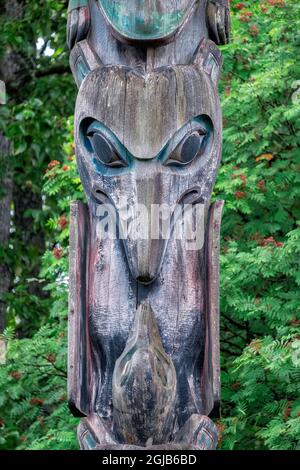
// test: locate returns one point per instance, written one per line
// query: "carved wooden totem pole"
(144, 314)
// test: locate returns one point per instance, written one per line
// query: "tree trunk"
(29, 238)
(5, 205)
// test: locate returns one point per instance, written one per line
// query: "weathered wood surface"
(146, 21)
(198, 433)
(218, 19)
(211, 380)
(144, 385)
(79, 20)
(184, 300)
(79, 357)
(209, 19)
(139, 104)
(148, 131)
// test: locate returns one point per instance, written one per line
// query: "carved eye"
(104, 151)
(189, 148)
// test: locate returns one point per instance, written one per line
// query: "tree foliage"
(260, 268)
(40, 97)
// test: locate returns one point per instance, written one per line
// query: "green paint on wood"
(146, 20)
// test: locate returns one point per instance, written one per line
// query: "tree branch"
(234, 322)
(55, 70)
(230, 353)
(231, 343)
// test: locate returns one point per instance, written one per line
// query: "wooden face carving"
(146, 20)
(147, 140)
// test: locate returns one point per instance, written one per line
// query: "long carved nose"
(144, 226)
(148, 232)
(146, 255)
(152, 226)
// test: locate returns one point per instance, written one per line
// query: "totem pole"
(144, 302)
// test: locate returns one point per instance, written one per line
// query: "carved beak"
(151, 229)
(146, 240)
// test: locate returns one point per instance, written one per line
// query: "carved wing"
(79, 359)
(211, 384)
(218, 16)
(79, 19)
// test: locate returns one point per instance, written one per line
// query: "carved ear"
(79, 19)
(83, 60)
(218, 19)
(209, 59)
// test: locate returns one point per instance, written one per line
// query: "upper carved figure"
(152, 22)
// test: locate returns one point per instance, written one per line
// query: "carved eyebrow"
(97, 126)
(89, 125)
(200, 123)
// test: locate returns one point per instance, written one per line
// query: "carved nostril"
(192, 196)
(100, 195)
(146, 280)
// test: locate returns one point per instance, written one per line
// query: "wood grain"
(79, 360)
